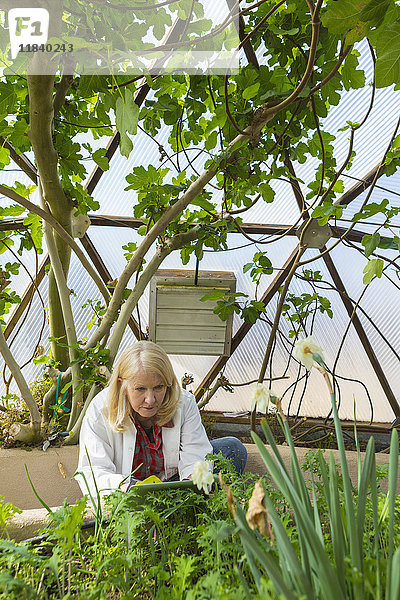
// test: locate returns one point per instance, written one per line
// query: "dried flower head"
(257, 515)
(229, 496)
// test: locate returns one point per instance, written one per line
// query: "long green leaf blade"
(393, 468)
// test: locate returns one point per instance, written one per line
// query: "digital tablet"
(164, 485)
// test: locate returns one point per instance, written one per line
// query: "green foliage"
(374, 11)
(127, 114)
(346, 15)
(388, 63)
(327, 210)
(199, 116)
(101, 159)
(89, 361)
(342, 549)
(7, 299)
(39, 387)
(98, 309)
(183, 545)
(66, 528)
(228, 303)
(260, 266)
(130, 250)
(353, 78)
(373, 208)
(176, 544)
(370, 242)
(7, 511)
(298, 308)
(373, 268)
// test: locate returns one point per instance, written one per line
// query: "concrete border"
(50, 473)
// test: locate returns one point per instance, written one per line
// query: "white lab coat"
(111, 452)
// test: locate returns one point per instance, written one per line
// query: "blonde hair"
(141, 357)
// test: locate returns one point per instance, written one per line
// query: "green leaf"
(101, 159)
(251, 91)
(219, 118)
(4, 156)
(396, 240)
(12, 211)
(185, 256)
(247, 267)
(387, 69)
(8, 98)
(19, 133)
(23, 190)
(345, 16)
(203, 203)
(374, 11)
(325, 211)
(36, 227)
(142, 178)
(41, 360)
(370, 243)
(89, 85)
(127, 115)
(266, 192)
(373, 268)
(214, 295)
(351, 76)
(211, 141)
(371, 209)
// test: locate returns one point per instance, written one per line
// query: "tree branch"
(46, 216)
(311, 59)
(64, 294)
(162, 252)
(171, 213)
(73, 438)
(21, 383)
(342, 56)
(20, 159)
(61, 91)
(40, 134)
(377, 172)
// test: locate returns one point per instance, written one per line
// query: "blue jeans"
(233, 449)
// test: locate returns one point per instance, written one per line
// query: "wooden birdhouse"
(180, 322)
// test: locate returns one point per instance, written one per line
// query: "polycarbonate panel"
(245, 363)
(379, 301)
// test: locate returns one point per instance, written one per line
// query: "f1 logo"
(27, 26)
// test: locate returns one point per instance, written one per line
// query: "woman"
(144, 424)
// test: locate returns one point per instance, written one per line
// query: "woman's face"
(146, 392)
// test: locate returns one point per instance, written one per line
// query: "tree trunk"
(41, 90)
(23, 432)
(31, 431)
(57, 325)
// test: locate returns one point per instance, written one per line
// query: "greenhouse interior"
(199, 282)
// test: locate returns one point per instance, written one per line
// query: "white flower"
(202, 476)
(307, 351)
(262, 396)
